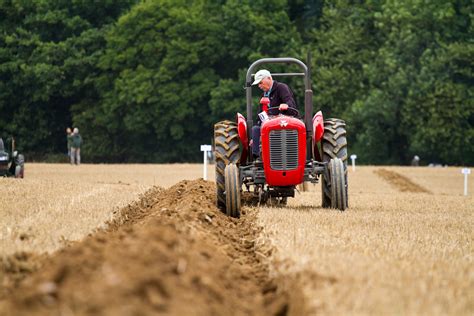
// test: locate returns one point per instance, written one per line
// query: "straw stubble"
(391, 252)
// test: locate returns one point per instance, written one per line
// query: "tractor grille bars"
(284, 149)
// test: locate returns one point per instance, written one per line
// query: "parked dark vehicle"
(12, 163)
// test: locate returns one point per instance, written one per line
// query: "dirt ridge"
(171, 252)
(400, 182)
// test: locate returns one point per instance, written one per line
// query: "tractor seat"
(290, 111)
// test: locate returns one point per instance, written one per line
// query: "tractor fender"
(242, 131)
(318, 127)
(318, 131)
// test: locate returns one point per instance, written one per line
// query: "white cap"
(261, 74)
(76, 130)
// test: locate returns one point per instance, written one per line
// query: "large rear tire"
(226, 151)
(333, 145)
(232, 190)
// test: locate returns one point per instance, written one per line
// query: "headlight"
(3, 158)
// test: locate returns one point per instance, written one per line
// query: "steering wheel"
(290, 111)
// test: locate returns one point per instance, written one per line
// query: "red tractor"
(290, 154)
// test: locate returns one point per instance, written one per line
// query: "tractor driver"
(280, 95)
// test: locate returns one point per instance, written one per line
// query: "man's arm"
(286, 96)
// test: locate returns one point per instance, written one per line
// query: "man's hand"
(283, 107)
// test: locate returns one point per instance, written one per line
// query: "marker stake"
(205, 149)
(353, 158)
(466, 172)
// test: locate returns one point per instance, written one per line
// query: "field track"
(403, 247)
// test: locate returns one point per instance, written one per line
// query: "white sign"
(465, 172)
(205, 149)
(263, 116)
(353, 158)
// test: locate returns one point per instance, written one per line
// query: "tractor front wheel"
(337, 184)
(232, 190)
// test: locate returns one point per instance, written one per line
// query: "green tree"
(146, 80)
(399, 72)
(171, 70)
(48, 53)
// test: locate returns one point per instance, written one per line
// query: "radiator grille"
(284, 149)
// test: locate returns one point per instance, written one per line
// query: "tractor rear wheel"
(333, 145)
(226, 151)
(232, 190)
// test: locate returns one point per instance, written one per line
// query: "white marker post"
(205, 149)
(353, 158)
(465, 172)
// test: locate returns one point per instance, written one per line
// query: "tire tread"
(226, 151)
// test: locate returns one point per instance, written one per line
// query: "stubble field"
(403, 247)
(56, 203)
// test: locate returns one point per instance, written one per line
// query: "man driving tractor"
(279, 95)
(291, 150)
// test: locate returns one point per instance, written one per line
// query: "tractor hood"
(283, 150)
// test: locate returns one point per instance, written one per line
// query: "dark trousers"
(256, 141)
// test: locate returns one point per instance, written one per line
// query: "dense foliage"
(145, 80)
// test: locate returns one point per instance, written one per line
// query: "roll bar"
(308, 94)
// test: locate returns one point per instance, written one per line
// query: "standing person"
(69, 141)
(279, 94)
(76, 147)
(415, 161)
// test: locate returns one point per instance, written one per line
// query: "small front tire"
(337, 185)
(232, 190)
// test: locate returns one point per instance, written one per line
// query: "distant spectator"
(415, 162)
(69, 141)
(76, 147)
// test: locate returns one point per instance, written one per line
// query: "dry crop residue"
(172, 252)
(401, 182)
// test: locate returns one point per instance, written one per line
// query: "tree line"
(144, 81)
